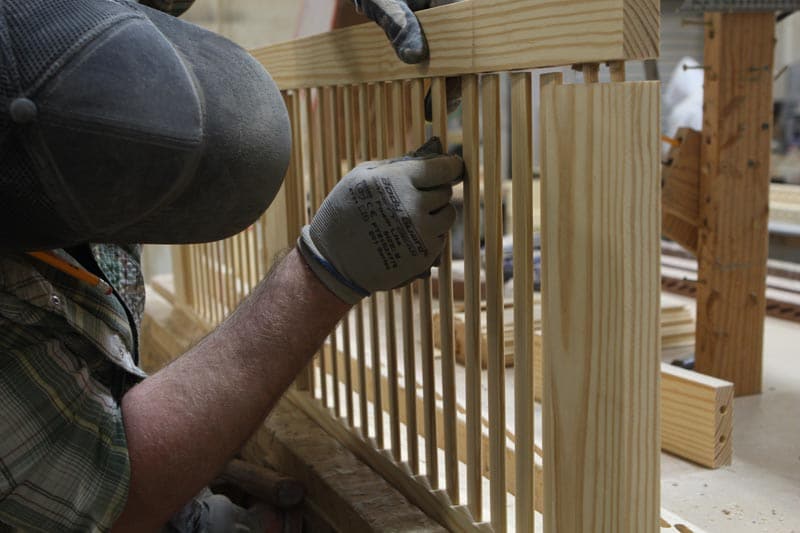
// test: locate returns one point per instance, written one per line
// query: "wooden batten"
(474, 36)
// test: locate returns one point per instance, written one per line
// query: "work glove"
(384, 224)
(401, 26)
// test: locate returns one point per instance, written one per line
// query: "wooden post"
(734, 195)
(600, 314)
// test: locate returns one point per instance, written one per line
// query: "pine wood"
(382, 133)
(493, 249)
(406, 298)
(600, 244)
(734, 188)
(680, 190)
(522, 163)
(474, 36)
(696, 413)
(438, 95)
(472, 296)
(417, 106)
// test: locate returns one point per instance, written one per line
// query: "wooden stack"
(677, 330)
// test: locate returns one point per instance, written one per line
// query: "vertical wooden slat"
(219, 275)
(298, 197)
(362, 151)
(438, 94)
(350, 161)
(230, 274)
(472, 297)
(409, 363)
(382, 152)
(368, 147)
(600, 305)
(323, 181)
(522, 176)
(333, 169)
(202, 280)
(425, 312)
(493, 197)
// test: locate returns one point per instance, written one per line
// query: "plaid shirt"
(67, 355)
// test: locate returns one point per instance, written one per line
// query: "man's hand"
(384, 224)
(401, 26)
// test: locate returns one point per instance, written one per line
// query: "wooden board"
(600, 260)
(696, 413)
(734, 187)
(474, 36)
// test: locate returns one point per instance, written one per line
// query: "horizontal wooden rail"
(474, 36)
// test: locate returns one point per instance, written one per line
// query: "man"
(122, 124)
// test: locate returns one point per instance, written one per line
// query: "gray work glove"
(384, 224)
(401, 26)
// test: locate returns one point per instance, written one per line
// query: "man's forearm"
(186, 421)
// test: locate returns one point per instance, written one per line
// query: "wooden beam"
(474, 36)
(600, 262)
(734, 189)
(696, 413)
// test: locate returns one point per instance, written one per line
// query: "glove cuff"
(342, 287)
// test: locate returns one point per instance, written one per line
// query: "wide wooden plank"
(474, 36)
(734, 187)
(600, 259)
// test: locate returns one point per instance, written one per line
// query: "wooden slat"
(382, 131)
(333, 170)
(366, 118)
(472, 298)
(522, 176)
(348, 101)
(474, 36)
(734, 190)
(493, 198)
(438, 94)
(600, 244)
(417, 105)
(406, 298)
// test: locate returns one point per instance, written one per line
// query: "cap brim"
(247, 142)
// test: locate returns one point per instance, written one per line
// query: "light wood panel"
(734, 189)
(600, 246)
(474, 36)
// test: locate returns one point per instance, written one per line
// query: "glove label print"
(391, 228)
